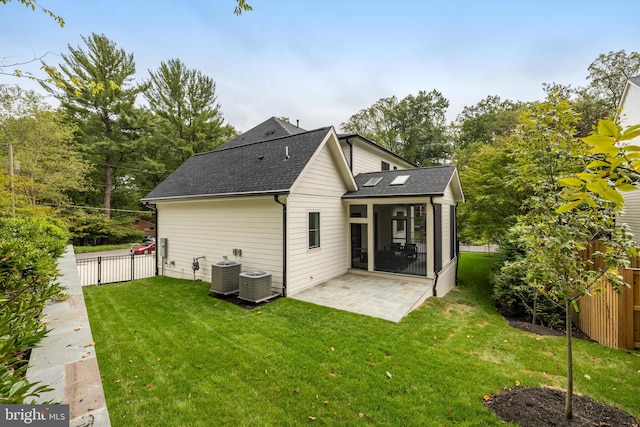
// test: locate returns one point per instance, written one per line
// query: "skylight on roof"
(400, 180)
(371, 182)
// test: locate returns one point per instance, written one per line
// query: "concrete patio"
(376, 296)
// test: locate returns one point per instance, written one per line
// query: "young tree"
(103, 114)
(553, 240)
(612, 167)
(413, 127)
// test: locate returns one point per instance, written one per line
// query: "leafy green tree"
(591, 110)
(489, 119)
(189, 119)
(242, 6)
(47, 164)
(413, 127)
(33, 5)
(609, 73)
(103, 115)
(553, 240)
(492, 204)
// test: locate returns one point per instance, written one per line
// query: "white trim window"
(314, 230)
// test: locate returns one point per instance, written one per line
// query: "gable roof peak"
(269, 129)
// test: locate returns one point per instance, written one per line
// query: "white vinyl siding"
(631, 116)
(631, 213)
(214, 228)
(446, 279)
(319, 189)
(368, 158)
(631, 108)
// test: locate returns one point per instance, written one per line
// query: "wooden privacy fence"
(613, 318)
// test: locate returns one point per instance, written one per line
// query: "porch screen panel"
(437, 237)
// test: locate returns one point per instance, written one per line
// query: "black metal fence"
(113, 269)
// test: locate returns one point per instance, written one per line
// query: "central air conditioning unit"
(255, 286)
(225, 277)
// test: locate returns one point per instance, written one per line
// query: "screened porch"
(398, 242)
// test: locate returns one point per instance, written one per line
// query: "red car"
(143, 249)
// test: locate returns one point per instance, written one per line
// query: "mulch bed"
(544, 407)
(234, 299)
(544, 330)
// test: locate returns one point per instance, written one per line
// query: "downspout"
(284, 244)
(435, 282)
(350, 154)
(155, 229)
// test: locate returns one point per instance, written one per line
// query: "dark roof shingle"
(429, 181)
(250, 168)
(269, 129)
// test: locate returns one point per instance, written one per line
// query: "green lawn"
(170, 355)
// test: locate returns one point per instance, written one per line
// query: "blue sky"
(320, 61)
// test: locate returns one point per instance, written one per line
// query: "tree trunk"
(568, 406)
(107, 188)
(108, 169)
(535, 309)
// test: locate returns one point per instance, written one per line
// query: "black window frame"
(314, 230)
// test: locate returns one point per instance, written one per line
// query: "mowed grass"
(170, 355)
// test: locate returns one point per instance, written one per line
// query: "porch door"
(399, 230)
(359, 246)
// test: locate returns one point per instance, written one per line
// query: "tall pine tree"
(95, 86)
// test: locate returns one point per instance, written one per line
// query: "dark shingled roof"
(269, 129)
(635, 80)
(430, 181)
(249, 168)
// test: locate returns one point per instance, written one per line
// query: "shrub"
(29, 248)
(89, 229)
(514, 297)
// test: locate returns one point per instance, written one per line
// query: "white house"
(308, 206)
(630, 116)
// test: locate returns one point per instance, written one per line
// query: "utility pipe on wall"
(284, 244)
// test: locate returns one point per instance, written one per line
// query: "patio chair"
(410, 250)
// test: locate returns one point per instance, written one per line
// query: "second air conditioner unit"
(255, 286)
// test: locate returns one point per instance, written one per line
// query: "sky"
(321, 61)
